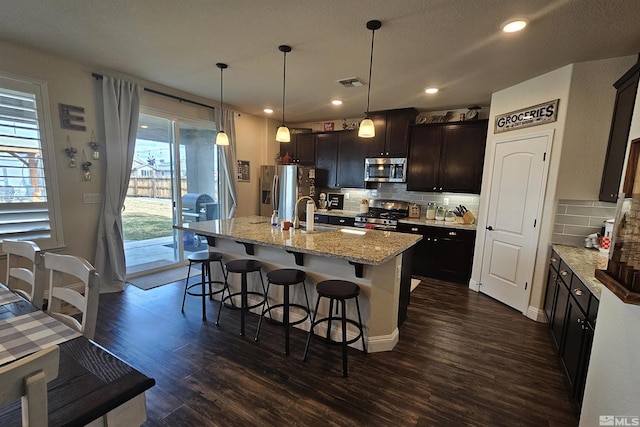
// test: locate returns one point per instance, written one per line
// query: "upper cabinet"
(447, 157)
(301, 149)
(340, 159)
(626, 87)
(392, 132)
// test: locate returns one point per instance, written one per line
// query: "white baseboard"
(536, 314)
(474, 285)
(374, 344)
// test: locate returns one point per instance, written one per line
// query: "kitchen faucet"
(296, 222)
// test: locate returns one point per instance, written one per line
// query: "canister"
(431, 210)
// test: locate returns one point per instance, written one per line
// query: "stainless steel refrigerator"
(281, 187)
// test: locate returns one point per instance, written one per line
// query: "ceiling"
(456, 45)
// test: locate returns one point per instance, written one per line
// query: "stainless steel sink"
(318, 229)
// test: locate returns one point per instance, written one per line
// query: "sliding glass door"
(174, 179)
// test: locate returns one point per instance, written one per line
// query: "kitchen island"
(371, 258)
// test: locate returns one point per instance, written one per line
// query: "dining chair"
(23, 257)
(61, 268)
(27, 379)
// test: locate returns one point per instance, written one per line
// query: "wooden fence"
(158, 188)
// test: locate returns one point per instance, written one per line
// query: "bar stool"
(244, 267)
(205, 258)
(285, 277)
(337, 291)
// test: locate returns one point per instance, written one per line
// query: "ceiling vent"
(351, 82)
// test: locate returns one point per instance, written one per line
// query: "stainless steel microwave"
(385, 169)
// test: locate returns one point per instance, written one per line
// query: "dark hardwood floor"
(462, 359)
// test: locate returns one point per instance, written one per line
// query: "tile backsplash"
(576, 219)
(399, 192)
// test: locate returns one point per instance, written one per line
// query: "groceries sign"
(531, 116)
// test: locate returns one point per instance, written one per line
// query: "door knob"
(490, 228)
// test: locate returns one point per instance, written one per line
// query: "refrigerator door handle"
(274, 193)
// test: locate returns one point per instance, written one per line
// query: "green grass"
(142, 226)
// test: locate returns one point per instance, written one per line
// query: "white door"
(515, 205)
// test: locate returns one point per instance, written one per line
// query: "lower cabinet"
(571, 311)
(443, 253)
(347, 221)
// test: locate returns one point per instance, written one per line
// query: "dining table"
(93, 387)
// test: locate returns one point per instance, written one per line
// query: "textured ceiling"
(456, 45)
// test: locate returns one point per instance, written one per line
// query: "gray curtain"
(229, 177)
(121, 102)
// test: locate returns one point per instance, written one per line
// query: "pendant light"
(283, 134)
(366, 129)
(221, 138)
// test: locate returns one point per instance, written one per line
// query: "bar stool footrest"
(339, 321)
(298, 306)
(206, 294)
(228, 300)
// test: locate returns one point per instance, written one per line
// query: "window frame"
(39, 89)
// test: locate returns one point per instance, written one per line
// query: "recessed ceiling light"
(268, 110)
(336, 102)
(144, 126)
(514, 26)
(431, 90)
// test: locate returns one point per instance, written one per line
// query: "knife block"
(468, 218)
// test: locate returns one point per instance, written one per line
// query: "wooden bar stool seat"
(338, 291)
(285, 277)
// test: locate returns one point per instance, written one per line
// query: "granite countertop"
(417, 221)
(584, 262)
(373, 247)
(434, 223)
(337, 212)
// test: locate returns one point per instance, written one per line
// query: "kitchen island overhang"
(373, 259)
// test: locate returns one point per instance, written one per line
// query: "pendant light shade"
(221, 138)
(283, 134)
(366, 129)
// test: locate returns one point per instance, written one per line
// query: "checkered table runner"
(26, 334)
(6, 296)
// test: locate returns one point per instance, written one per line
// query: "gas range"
(383, 215)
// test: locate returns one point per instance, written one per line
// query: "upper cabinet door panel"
(376, 145)
(352, 151)
(327, 160)
(424, 158)
(305, 148)
(618, 136)
(463, 157)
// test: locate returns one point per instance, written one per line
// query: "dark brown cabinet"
(392, 132)
(352, 151)
(443, 253)
(571, 310)
(301, 149)
(447, 157)
(327, 160)
(626, 87)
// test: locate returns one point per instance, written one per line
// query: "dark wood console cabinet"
(447, 157)
(571, 310)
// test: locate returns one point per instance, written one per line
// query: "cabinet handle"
(578, 292)
(440, 188)
(414, 228)
(563, 273)
(434, 188)
(453, 233)
(580, 321)
(554, 259)
(435, 240)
